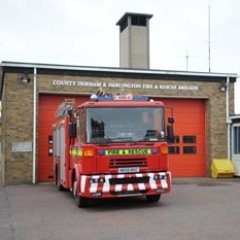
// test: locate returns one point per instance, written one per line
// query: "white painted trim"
(34, 124)
(228, 120)
(112, 69)
(235, 157)
(235, 117)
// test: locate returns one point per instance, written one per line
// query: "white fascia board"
(115, 70)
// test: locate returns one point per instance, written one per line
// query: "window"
(189, 150)
(139, 20)
(176, 139)
(173, 150)
(80, 127)
(125, 124)
(189, 139)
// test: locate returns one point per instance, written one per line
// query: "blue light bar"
(121, 98)
(105, 98)
(140, 98)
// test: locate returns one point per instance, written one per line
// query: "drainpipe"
(34, 124)
(228, 120)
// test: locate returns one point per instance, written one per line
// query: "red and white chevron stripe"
(125, 183)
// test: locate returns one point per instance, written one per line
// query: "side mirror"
(170, 133)
(72, 129)
(171, 120)
(170, 130)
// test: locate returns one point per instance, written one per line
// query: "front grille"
(129, 180)
(119, 163)
(129, 193)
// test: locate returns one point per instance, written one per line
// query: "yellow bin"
(222, 168)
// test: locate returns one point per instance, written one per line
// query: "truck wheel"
(153, 198)
(58, 182)
(60, 187)
(80, 201)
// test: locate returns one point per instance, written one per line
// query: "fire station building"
(201, 104)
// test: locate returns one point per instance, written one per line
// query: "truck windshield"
(120, 124)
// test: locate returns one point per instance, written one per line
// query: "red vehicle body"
(111, 147)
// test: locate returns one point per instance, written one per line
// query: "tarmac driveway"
(195, 209)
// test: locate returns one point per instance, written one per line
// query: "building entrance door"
(187, 154)
(236, 147)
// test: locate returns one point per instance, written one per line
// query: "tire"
(81, 202)
(153, 198)
(58, 182)
(60, 187)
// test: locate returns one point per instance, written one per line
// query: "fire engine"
(112, 146)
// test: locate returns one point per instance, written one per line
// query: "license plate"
(128, 170)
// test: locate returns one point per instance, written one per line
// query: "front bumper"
(123, 185)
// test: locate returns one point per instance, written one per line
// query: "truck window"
(80, 126)
(124, 124)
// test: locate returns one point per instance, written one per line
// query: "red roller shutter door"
(46, 117)
(187, 156)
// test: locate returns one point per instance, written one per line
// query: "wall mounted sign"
(69, 83)
(22, 147)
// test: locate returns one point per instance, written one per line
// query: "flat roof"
(237, 116)
(6, 64)
(127, 14)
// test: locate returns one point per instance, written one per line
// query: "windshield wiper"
(121, 139)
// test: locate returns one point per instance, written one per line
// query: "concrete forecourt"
(197, 208)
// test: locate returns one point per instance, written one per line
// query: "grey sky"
(84, 32)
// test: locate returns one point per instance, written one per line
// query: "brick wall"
(17, 112)
(17, 128)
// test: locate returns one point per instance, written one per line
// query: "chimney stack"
(134, 40)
